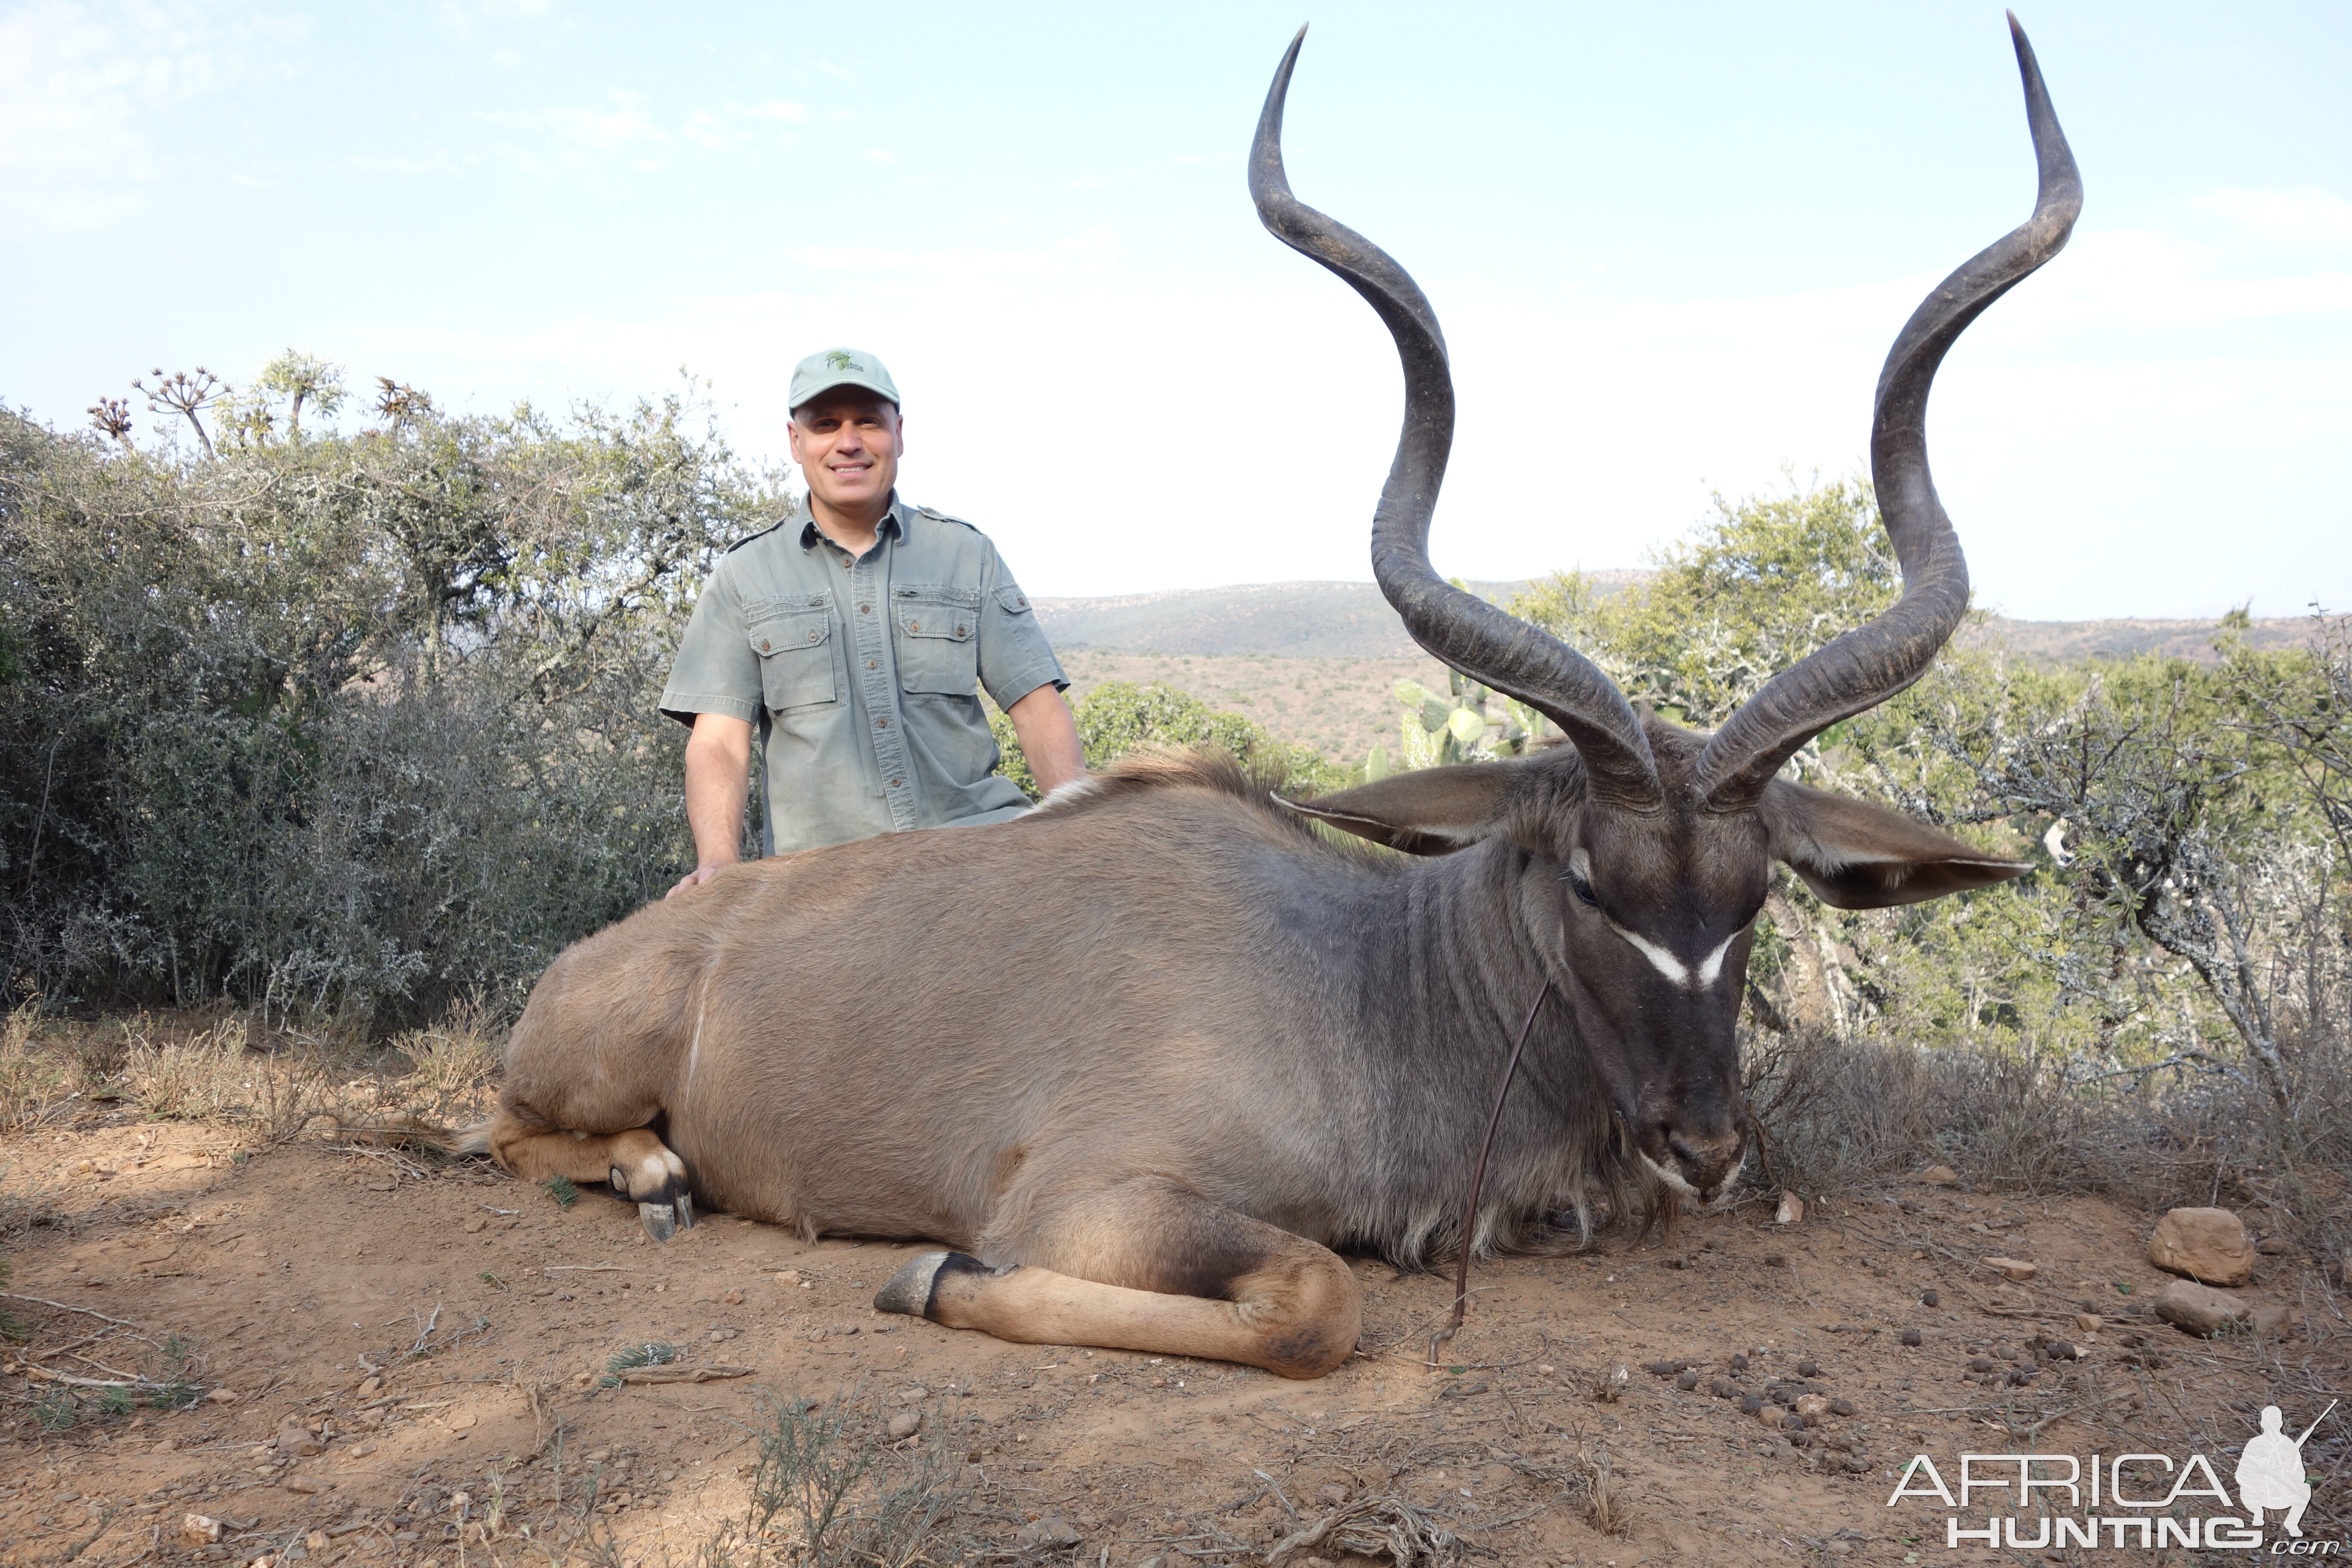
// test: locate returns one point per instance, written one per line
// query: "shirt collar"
(894, 523)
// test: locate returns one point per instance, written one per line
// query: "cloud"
(2303, 213)
(83, 89)
(881, 155)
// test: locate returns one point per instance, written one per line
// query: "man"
(852, 635)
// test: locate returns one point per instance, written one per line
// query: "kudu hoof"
(910, 1290)
(665, 1207)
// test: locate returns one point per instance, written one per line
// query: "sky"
(1669, 244)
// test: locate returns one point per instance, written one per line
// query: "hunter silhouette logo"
(2270, 1473)
(840, 361)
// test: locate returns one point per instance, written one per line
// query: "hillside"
(1317, 662)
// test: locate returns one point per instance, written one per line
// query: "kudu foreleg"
(1149, 1266)
(640, 1166)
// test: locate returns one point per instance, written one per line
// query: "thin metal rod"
(1478, 1178)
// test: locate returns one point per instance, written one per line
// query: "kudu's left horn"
(1873, 662)
(1462, 630)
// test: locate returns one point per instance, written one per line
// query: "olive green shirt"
(863, 674)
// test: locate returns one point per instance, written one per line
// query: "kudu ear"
(1430, 811)
(1862, 857)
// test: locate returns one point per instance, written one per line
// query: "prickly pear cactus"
(1455, 727)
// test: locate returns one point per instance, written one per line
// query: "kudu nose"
(1707, 1157)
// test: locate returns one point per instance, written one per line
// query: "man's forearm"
(1049, 737)
(717, 785)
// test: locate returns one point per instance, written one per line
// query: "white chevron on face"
(1699, 977)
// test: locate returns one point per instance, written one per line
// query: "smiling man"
(854, 635)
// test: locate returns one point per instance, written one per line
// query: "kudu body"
(1144, 1057)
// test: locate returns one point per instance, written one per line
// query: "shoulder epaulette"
(936, 515)
(761, 534)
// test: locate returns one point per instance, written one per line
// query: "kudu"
(1143, 1058)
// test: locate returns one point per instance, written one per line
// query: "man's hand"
(717, 784)
(1049, 737)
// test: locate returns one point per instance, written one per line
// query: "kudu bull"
(1143, 1058)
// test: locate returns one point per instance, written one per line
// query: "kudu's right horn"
(1873, 662)
(1462, 630)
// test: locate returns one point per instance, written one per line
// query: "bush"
(1118, 716)
(344, 722)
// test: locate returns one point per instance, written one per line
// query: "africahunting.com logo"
(2145, 1501)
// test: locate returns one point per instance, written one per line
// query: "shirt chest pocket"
(796, 662)
(937, 633)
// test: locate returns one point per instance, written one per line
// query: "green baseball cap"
(840, 367)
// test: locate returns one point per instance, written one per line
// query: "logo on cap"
(840, 361)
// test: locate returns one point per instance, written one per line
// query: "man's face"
(847, 442)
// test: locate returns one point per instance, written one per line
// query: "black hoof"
(910, 1290)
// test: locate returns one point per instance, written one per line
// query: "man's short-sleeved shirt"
(863, 674)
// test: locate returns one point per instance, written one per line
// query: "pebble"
(1051, 1531)
(1940, 1176)
(1911, 1337)
(1769, 1415)
(905, 1424)
(2199, 1309)
(201, 1528)
(1929, 1299)
(2014, 1269)
(475, 1223)
(1792, 1210)
(1809, 1368)
(308, 1486)
(224, 1396)
(1812, 1406)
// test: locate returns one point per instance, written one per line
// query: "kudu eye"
(1582, 889)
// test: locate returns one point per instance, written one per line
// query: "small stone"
(370, 1387)
(474, 1224)
(1687, 1381)
(2199, 1309)
(224, 1396)
(1769, 1415)
(318, 1541)
(1911, 1337)
(308, 1486)
(1051, 1531)
(733, 1298)
(1842, 1408)
(598, 1455)
(1857, 1463)
(1940, 1176)
(293, 1439)
(2209, 1245)
(2088, 1321)
(1809, 1368)
(1333, 1493)
(2014, 1269)
(1929, 1299)
(201, 1528)
(165, 1447)
(1792, 1210)
(2271, 1322)
(788, 1276)
(1812, 1407)
(905, 1424)
(2274, 1246)
(1546, 1369)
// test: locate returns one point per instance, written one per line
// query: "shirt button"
(894, 784)
(914, 626)
(873, 664)
(763, 645)
(813, 635)
(881, 723)
(864, 609)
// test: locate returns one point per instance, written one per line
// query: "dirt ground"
(442, 1329)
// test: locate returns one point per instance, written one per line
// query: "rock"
(1769, 1415)
(1911, 1337)
(224, 1396)
(733, 1298)
(905, 1424)
(1333, 1493)
(474, 1224)
(2015, 1269)
(1842, 1408)
(370, 1387)
(914, 1393)
(1812, 1407)
(1938, 1176)
(2274, 1246)
(463, 1421)
(308, 1486)
(2270, 1322)
(1809, 1368)
(2088, 1321)
(1929, 1299)
(2199, 1309)
(296, 1439)
(201, 1528)
(1686, 1381)
(165, 1447)
(1051, 1531)
(2209, 1245)
(1792, 1210)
